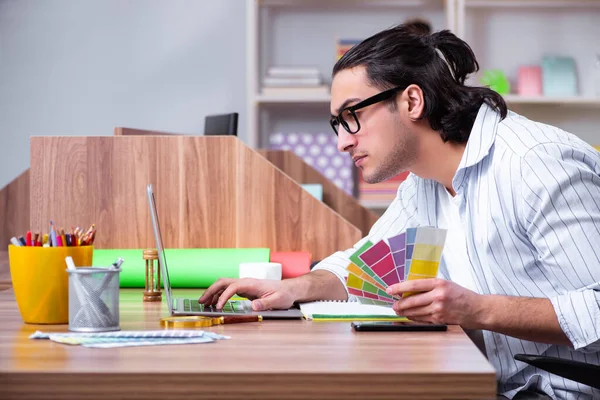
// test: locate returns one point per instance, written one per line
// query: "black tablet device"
(387, 326)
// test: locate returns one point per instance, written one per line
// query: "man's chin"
(373, 177)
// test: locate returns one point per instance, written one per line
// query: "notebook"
(347, 311)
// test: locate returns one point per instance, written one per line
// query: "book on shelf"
(343, 45)
(304, 81)
(380, 192)
(321, 90)
(293, 72)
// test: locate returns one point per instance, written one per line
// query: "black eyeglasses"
(347, 117)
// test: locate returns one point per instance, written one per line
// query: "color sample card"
(359, 287)
(361, 264)
(375, 253)
(424, 247)
(386, 270)
(398, 248)
(353, 269)
(413, 254)
(354, 257)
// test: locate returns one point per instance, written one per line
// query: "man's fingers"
(421, 318)
(417, 285)
(228, 293)
(417, 312)
(414, 301)
(214, 299)
(267, 303)
(215, 288)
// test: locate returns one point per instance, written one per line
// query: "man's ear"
(413, 95)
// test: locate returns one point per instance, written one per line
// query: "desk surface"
(268, 360)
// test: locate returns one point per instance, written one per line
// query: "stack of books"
(343, 45)
(382, 192)
(281, 81)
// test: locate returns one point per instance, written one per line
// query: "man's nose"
(346, 141)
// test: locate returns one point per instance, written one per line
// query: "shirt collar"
(481, 140)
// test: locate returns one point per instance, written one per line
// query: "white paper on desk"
(130, 338)
(341, 308)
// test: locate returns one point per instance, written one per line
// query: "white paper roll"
(260, 270)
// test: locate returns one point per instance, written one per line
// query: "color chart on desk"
(414, 254)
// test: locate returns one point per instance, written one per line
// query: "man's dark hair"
(399, 56)
(418, 25)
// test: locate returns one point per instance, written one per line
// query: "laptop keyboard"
(232, 306)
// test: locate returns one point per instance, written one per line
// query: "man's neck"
(438, 160)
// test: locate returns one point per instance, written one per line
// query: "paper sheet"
(130, 338)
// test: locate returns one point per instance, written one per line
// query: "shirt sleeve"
(561, 215)
(401, 214)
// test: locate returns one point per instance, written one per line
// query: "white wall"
(82, 67)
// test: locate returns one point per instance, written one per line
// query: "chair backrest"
(221, 124)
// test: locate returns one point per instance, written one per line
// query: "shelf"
(346, 4)
(376, 204)
(292, 97)
(531, 4)
(574, 100)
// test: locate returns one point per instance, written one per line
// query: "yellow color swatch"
(354, 282)
(355, 269)
(421, 267)
(427, 252)
(429, 267)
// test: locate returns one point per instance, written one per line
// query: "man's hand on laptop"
(265, 294)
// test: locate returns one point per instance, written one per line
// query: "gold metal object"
(196, 321)
(152, 291)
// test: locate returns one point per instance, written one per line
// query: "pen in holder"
(40, 282)
(93, 298)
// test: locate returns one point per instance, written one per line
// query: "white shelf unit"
(294, 98)
(491, 27)
(302, 33)
(508, 34)
(576, 101)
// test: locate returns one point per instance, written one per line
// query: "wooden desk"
(268, 360)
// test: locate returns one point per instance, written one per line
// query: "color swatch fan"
(414, 254)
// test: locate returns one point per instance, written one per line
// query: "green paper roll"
(188, 268)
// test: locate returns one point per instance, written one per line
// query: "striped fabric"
(528, 196)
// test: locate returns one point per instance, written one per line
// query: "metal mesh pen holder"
(94, 299)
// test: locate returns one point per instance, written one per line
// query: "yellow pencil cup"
(41, 282)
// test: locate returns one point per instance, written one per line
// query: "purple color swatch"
(397, 242)
(399, 258)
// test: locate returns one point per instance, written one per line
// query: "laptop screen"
(162, 260)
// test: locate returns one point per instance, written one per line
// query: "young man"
(520, 200)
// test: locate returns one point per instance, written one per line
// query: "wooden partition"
(121, 131)
(211, 191)
(336, 198)
(293, 166)
(14, 209)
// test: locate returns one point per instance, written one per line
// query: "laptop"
(182, 306)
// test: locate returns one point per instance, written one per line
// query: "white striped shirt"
(529, 203)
